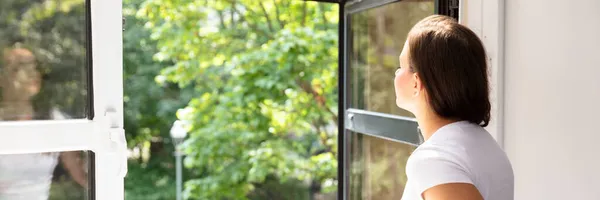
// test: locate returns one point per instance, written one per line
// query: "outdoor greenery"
(149, 112)
(260, 82)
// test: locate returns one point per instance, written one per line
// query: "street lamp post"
(178, 134)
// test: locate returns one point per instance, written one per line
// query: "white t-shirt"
(460, 152)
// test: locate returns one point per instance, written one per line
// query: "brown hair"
(451, 62)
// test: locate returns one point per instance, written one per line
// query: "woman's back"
(461, 152)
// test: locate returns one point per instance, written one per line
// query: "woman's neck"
(429, 122)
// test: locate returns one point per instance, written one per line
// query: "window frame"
(102, 132)
(386, 126)
(486, 19)
(359, 120)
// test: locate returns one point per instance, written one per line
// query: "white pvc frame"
(104, 133)
(486, 19)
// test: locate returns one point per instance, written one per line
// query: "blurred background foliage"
(264, 102)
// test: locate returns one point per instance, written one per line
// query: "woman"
(443, 81)
(29, 176)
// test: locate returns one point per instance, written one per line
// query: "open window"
(375, 135)
(61, 129)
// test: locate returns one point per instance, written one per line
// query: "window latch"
(117, 137)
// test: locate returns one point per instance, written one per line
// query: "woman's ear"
(416, 84)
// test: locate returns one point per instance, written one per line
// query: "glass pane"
(43, 71)
(376, 39)
(45, 176)
(377, 167)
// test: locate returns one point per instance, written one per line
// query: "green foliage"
(149, 182)
(265, 91)
(150, 107)
(149, 112)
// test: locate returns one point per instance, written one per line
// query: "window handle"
(117, 137)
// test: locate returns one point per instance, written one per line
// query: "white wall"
(552, 98)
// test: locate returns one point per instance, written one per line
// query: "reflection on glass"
(377, 167)
(43, 63)
(376, 38)
(44, 176)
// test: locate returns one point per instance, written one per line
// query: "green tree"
(149, 112)
(264, 75)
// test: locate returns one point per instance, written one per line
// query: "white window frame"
(486, 19)
(102, 135)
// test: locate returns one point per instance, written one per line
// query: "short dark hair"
(451, 62)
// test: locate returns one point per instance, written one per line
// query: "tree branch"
(254, 27)
(323, 140)
(264, 10)
(304, 12)
(221, 19)
(232, 14)
(281, 23)
(320, 99)
(322, 8)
